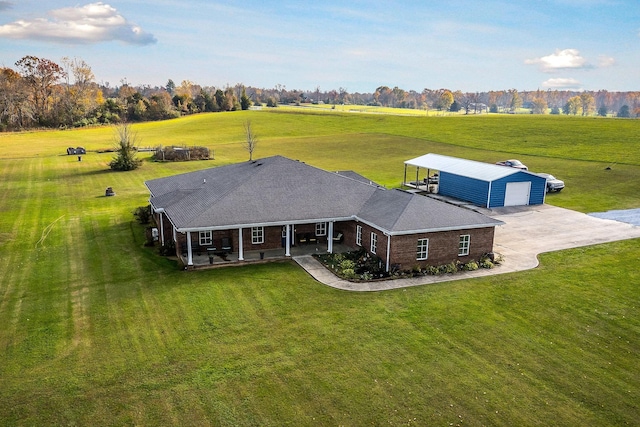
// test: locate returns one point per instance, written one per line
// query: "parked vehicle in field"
(553, 184)
(513, 163)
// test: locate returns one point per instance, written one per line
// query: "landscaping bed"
(360, 266)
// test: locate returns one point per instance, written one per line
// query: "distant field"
(574, 149)
(99, 330)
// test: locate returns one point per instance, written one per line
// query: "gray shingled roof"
(277, 190)
(399, 212)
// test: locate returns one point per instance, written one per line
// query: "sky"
(357, 45)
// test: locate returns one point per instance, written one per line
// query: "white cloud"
(91, 23)
(560, 60)
(561, 83)
(605, 61)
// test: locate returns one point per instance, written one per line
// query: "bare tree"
(251, 139)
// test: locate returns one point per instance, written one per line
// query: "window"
(358, 235)
(257, 235)
(423, 249)
(206, 238)
(321, 229)
(374, 243)
(463, 247)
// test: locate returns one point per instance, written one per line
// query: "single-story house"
(483, 184)
(279, 203)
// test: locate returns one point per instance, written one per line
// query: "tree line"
(39, 92)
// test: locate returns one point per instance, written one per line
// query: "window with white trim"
(257, 235)
(463, 246)
(206, 238)
(321, 229)
(374, 243)
(358, 235)
(423, 249)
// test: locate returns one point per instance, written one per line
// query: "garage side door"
(517, 193)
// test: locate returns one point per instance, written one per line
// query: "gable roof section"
(469, 168)
(399, 212)
(277, 190)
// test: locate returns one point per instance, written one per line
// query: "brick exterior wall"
(443, 247)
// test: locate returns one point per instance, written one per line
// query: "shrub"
(349, 273)
(486, 263)
(143, 214)
(366, 276)
(175, 153)
(470, 266)
(125, 159)
(416, 271)
(347, 264)
(450, 268)
(431, 270)
(167, 249)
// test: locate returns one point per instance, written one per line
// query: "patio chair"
(302, 239)
(312, 238)
(226, 245)
(338, 237)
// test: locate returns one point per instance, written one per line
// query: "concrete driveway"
(527, 232)
(531, 230)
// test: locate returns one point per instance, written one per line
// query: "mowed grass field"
(99, 330)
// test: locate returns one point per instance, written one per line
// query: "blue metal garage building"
(482, 184)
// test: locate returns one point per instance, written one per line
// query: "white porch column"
(240, 249)
(287, 250)
(330, 238)
(388, 252)
(189, 253)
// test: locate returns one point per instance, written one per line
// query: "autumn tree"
(539, 106)
(230, 102)
(587, 103)
(41, 76)
(516, 101)
(15, 108)
(383, 95)
(573, 106)
(82, 96)
(444, 100)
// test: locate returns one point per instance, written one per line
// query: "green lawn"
(98, 330)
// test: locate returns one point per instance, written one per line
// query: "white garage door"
(517, 193)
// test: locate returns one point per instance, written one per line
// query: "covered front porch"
(220, 259)
(208, 247)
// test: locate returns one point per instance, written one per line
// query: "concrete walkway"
(527, 232)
